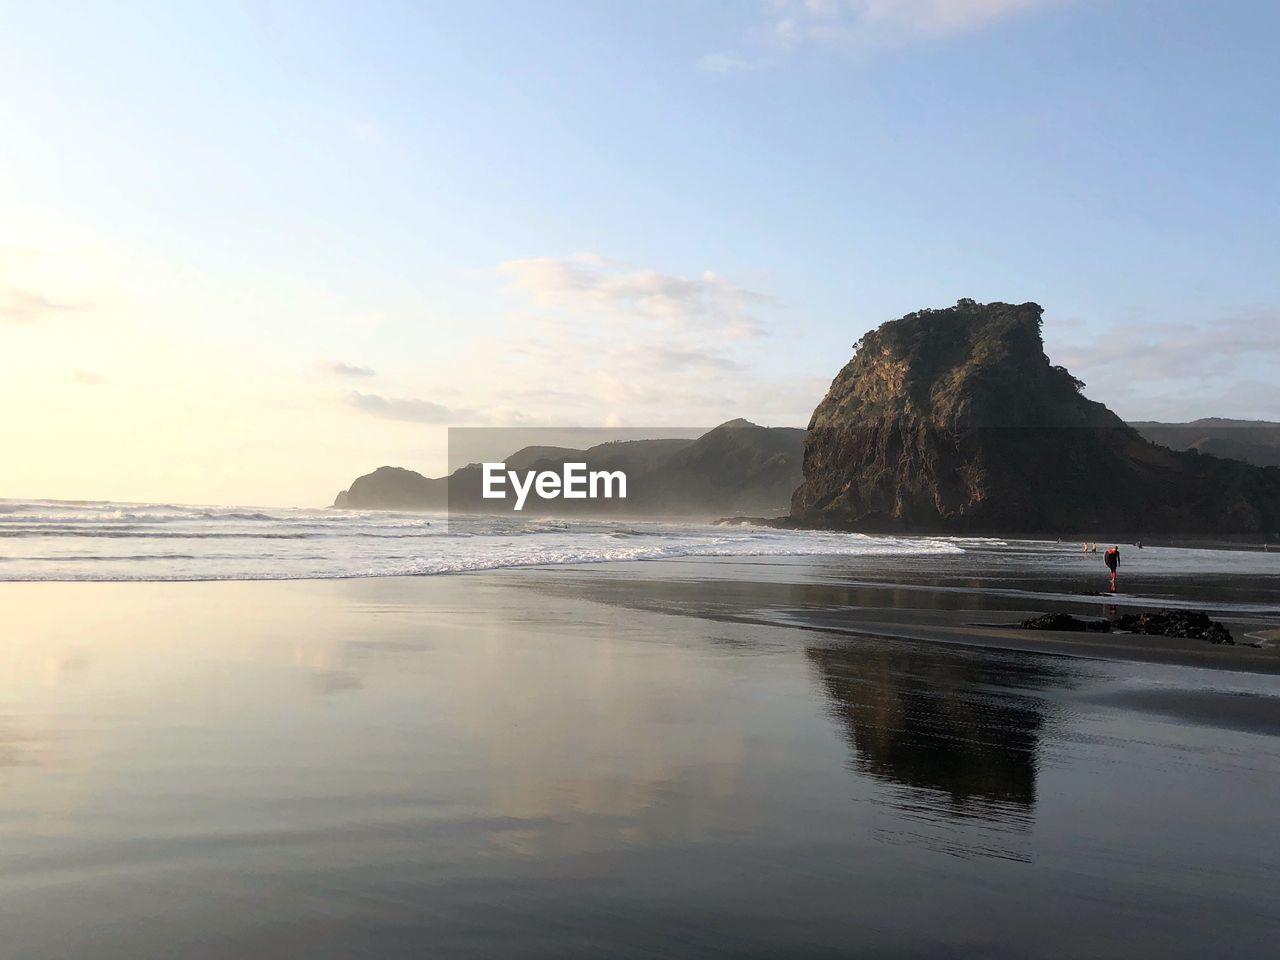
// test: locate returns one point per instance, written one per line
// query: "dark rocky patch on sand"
(1066, 622)
(1192, 624)
(1188, 624)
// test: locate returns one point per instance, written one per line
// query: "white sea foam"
(64, 540)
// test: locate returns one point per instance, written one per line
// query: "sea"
(103, 540)
(359, 734)
(98, 540)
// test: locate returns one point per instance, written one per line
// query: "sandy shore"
(955, 628)
(759, 759)
(791, 595)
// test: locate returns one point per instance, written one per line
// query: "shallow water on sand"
(540, 764)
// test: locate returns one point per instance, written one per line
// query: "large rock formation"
(955, 421)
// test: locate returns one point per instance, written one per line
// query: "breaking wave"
(88, 540)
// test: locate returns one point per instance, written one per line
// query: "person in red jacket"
(1112, 560)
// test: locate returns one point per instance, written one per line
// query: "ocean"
(101, 540)
(67, 540)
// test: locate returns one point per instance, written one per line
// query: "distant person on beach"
(1112, 560)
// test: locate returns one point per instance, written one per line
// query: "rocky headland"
(955, 421)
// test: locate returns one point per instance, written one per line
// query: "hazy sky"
(249, 251)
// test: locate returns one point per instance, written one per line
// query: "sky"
(249, 251)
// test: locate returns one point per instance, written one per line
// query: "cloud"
(613, 342)
(1153, 350)
(407, 409)
(790, 25)
(589, 340)
(85, 379)
(841, 20)
(1252, 398)
(724, 63)
(654, 356)
(590, 283)
(21, 306)
(339, 369)
(1148, 369)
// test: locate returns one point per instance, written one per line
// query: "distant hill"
(736, 468)
(1253, 441)
(394, 488)
(954, 420)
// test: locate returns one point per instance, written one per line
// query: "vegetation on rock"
(955, 421)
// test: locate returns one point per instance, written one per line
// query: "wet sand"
(685, 759)
(981, 614)
(998, 634)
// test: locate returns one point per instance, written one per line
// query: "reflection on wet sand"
(949, 734)
(957, 730)
(947, 720)
(553, 763)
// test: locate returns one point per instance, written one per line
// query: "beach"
(774, 480)
(749, 756)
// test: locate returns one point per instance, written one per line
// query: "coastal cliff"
(955, 421)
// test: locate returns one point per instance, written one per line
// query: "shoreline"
(753, 591)
(902, 611)
(1118, 647)
(1246, 542)
(399, 739)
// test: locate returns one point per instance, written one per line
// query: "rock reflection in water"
(960, 732)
